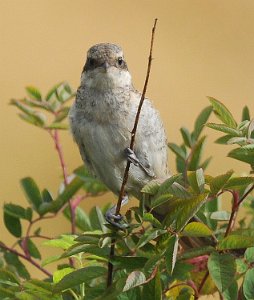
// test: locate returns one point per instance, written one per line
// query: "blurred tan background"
(201, 48)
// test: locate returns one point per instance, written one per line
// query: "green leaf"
(6, 293)
(79, 276)
(197, 180)
(62, 114)
(186, 137)
(246, 113)
(151, 219)
(57, 125)
(13, 260)
(220, 215)
(33, 250)
(151, 188)
(248, 284)
(222, 269)
(217, 183)
(224, 128)
(190, 253)
(148, 236)
(182, 210)
(13, 225)
(177, 150)
(34, 93)
(63, 198)
(201, 120)
(84, 248)
(82, 220)
(32, 192)
(196, 229)
(53, 91)
(223, 113)
(153, 289)
(46, 196)
(50, 260)
(8, 278)
(29, 115)
(64, 242)
(235, 242)
(59, 274)
(197, 150)
(129, 263)
(171, 253)
(134, 279)
(232, 292)
(241, 266)
(17, 211)
(238, 182)
(223, 140)
(97, 219)
(245, 154)
(249, 255)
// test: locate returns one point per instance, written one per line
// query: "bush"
(197, 249)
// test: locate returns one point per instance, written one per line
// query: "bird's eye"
(120, 61)
(92, 62)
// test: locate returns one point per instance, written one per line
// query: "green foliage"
(194, 249)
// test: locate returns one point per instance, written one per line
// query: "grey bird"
(101, 120)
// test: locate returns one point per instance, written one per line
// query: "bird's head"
(105, 68)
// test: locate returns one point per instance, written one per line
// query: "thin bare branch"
(127, 168)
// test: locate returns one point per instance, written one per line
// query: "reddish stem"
(27, 258)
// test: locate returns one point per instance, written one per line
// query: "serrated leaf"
(13, 260)
(238, 182)
(151, 187)
(34, 93)
(222, 269)
(53, 91)
(186, 137)
(33, 250)
(224, 128)
(190, 253)
(171, 253)
(244, 154)
(235, 242)
(249, 255)
(231, 293)
(8, 277)
(13, 225)
(223, 140)
(151, 219)
(223, 113)
(84, 248)
(62, 114)
(153, 262)
(248, 284)
(59, 274)
(196, 229)
(148, 236)
(62, 198)
(177, 150)
(82, 220)
(134, 279)
(63, 242)
(200, 121)
(58, 125)
(218, 182)
(220, 215)
(197, 150)
(79, 276)
(197, 180)
(32, 192)
(246, 113)
(50, 260)
(16, 211)
(182, 210)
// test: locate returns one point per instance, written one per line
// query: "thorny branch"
(127, 168)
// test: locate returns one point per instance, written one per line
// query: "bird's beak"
(105, 66)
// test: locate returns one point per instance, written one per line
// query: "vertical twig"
(127, 168)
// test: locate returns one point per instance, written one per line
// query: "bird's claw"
(115, 219)
(131, 156)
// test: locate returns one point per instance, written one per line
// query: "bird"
(101, 120)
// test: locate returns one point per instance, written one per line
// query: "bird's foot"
(114, 219)
(131, 156)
